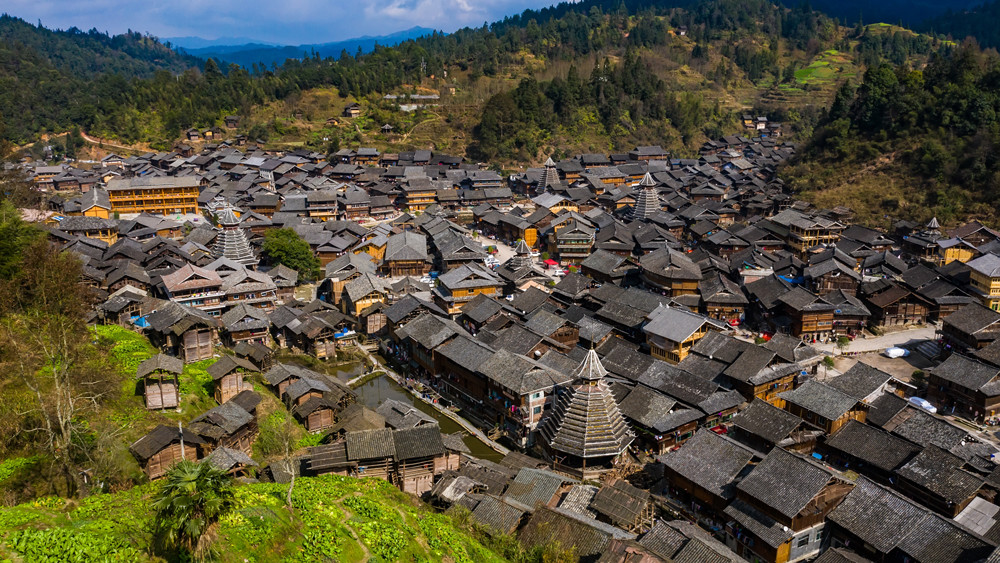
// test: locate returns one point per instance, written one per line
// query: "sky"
(289, 22)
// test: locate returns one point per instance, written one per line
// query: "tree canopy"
(285, 246)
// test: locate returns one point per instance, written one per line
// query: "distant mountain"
(254, 52)
(188, 43)
(26, 48)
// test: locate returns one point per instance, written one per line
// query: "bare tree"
(47, 348)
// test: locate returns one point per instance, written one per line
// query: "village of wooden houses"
(649, 358)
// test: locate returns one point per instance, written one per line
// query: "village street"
(904, 339)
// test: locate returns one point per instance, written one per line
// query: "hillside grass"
(334, 518)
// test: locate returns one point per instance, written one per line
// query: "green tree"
(285, 246)
(15, 236)
(193, 498)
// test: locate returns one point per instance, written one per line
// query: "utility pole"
(180, 430)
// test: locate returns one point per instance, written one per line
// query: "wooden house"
(315, 399)
(186, 332)
(622, 505)
(352, 110)
(773, 523)
(672, 331)
(229, 377)
(832, 274)
(159, 381)
(937, 479)
(823, 405)
(965, 386)
(971, 328)
(420, 456)
(164, 446)
(892, 304)
(880, 524)
(362, 292)
(763, 426)
(285, 280)
(230, 461)
(232, 424)
(705, 469)
(245, 323)
(669, 271)
(811, 316)
(460, 285)
(259, 355)
(868, 450)
(406, 255)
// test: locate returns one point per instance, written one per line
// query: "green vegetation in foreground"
(333, 518)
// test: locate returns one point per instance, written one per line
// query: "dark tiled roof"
(785, 482)
(925, 430)
(622, 503)
(860, 381)
(533, 486)
(646, 406)
(766, 421)
(159, 438)
(160, 362)
(883, 408)
(942, 541)
(820, 398)
(710, 461)
(228, 364)
(972, 318)
(663, 540)
(417, 442)
(758, 523)
(497, 515)
(878, 516)
(872, 445)
(940, 472)
(370, 444)
(966, 372)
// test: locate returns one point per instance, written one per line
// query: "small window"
(536, 410)
(818, 537)
(803, 541)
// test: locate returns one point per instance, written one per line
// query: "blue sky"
(291, 22)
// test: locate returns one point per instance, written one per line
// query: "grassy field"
(334, 518)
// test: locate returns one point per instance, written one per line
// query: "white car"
(559, 273)
(924, 404)
(896, 352)
(535, 253)
(426, 279)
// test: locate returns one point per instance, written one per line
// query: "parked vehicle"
(924, 404)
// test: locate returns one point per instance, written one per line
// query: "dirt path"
(96, 141)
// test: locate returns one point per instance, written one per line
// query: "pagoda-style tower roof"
(522, 256)
(585, 421)
(647, 203)
(232, 241)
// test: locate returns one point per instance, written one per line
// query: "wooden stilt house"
(229, 377)
(159, 381)
(159, 450)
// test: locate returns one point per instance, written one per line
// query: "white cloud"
(290, 21)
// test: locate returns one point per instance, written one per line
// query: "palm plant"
(193, 498)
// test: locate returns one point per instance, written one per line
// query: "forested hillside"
(930, 134)
(597, 75)
(981, 22)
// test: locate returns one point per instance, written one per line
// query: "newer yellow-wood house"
(985, 278)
